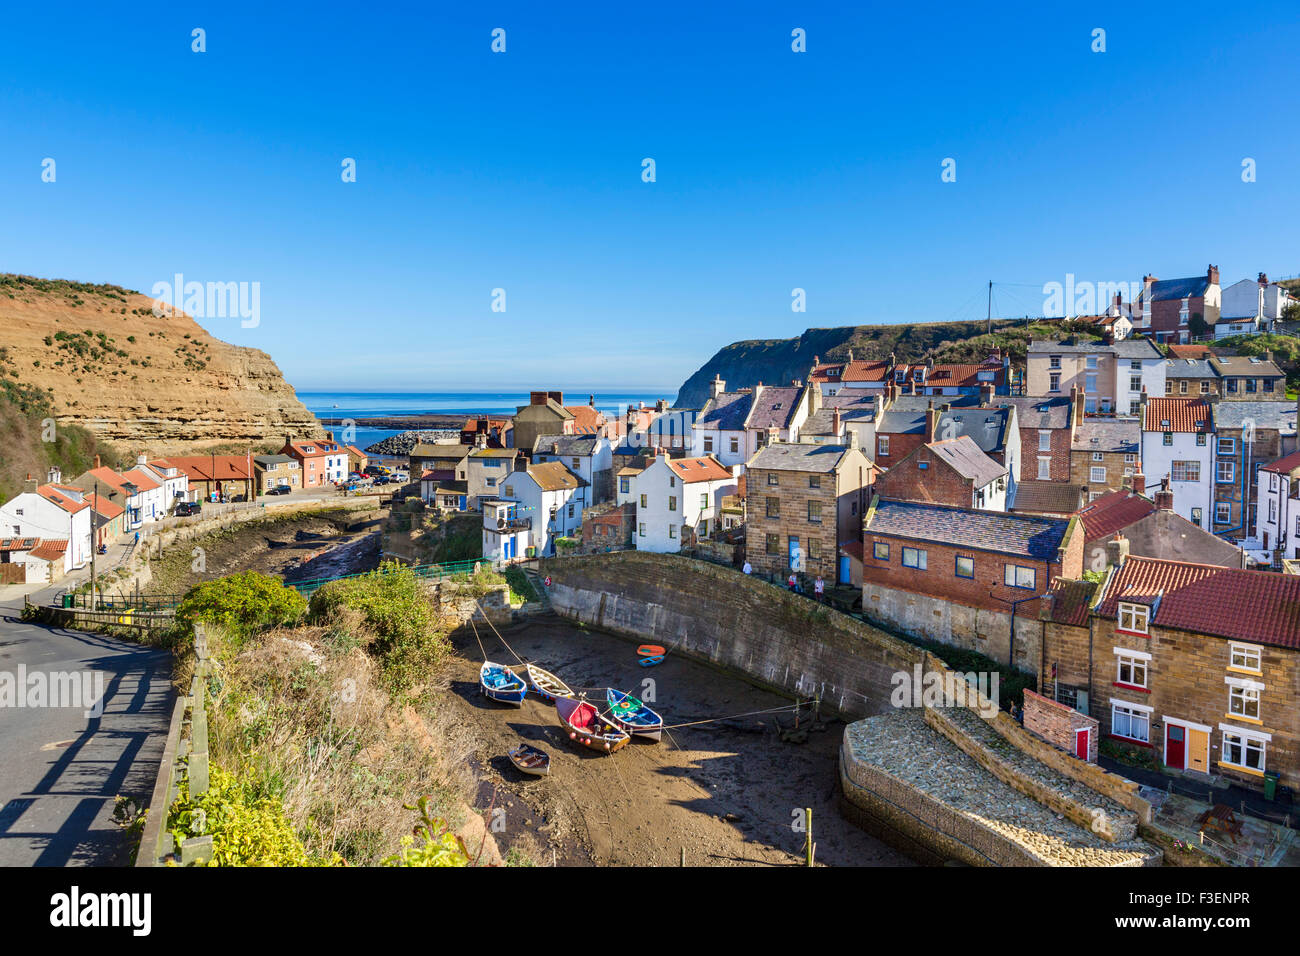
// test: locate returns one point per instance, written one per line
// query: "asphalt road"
(60, 770)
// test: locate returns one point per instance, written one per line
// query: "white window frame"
(1135, 661)
(1132, 712)
(1245, 652)
(1014, 574)
(1227, 446)
(1247, 738)
(1225, 472)
(920, 560)
(1096, 474)
(1044, 469)
(1044, 440)
(1223, 512)
(1133, 618)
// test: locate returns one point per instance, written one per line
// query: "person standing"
(819, 588)
(748, 568)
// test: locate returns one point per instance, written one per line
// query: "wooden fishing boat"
(547, 684)
(650, 650)
(651, 661)
(586, 726)
(530, 760)
(632, 716)
(501, 683)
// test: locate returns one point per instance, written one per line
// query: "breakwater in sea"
(402, 443)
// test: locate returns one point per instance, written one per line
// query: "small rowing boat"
(547, 685)
(632, 716)
(651, 650)
(501, 683)
(651, 661)
(530, 760)
(587, 727)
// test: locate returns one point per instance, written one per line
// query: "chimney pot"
(1117, 549)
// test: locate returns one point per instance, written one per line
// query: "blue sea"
(380, 404)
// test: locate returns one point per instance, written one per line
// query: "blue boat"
(502, 684)
(651, 661)
(632, 716)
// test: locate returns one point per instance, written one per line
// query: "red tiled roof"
(54, 495)
(1069, 601)
(863, 371)
(586, 419)
(707, 468)
(1284, 466)
(1258, 606)
(109, 477)
(50, 549)
(200, 467)
(966, 376)
(18, 544)
(142, 481)
(1177, 415)
(105, 507)
(1113, 511)
(1189, 351)
(321, 448)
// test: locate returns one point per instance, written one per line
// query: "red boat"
(587, 727)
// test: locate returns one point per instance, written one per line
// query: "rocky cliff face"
(162, 385)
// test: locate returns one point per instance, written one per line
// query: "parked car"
(381, 480)
(278, 490)
(186, 508)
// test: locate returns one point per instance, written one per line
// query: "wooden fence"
(185, 757)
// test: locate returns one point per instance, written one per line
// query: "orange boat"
(650, 650)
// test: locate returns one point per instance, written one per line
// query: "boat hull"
(546, 684)
(512, 692)
(642, 722)
(609, 739)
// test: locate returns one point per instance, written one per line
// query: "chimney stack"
(986, 393)
(31, 483)
(717, 386)
(850, 356)
(1263, 281)
(1116, 550)
(1139, 482)
(835, 422)
(1076, 402)
(1212, 274)
(931, 422)
(1164, 497)
(97, 461)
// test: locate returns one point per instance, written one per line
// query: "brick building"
(1247, 435)
(803, 502)
(965, 577)
(1046, 433)
(1198, 664)
(1166, 309)
(955, 473)
(911, 421)
(1153, 529)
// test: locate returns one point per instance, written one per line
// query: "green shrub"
(246, 830)
(396, 610)
(440, 847)
(242, 604)
(520, 587)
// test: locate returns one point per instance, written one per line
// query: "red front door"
(1175, 745)
(1081, 744)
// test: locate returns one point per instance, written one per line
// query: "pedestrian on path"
(819, 588)
(748, 568)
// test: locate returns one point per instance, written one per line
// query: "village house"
(108, 519)
(546, 494)
(33, 560)
(506, 532)
(1169, 309)
(440, 456)
(1277, 491)
(590, 457)
(1110, 375)
(847, 410)
(609, 527)
(1247, 435)
(276, 471)
(912, 421)
(1252, 306)
(1058, 499)
(544, 414)
(1176, 445)
(1153, 530)
(954, 472)
(1190, 377)
(117, 489)
(174, 481)
(803, 503)
(1249, 378)
(831, 377)
(149, 494)
(211, 476)
(1198, 665)
(1103, 453)
(321, 462)
(777, 412)
(671, 428)
(52, 511)
(719, 429)
(676, 497)
(1046, 433)
(932, 379)
(636, 427)
(485, 432)
(964, 577)
(357, 459)
(485, 469)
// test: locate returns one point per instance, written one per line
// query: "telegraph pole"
(990, 309)
(93, 548)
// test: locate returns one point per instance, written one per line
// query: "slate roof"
(433, 450)
(1105, 435)
(1256, 606)
(1019, 535)
(1112, 512)
(1069, 601)
(967, 460)
(265, 460)
(571, 446)
(773, 407)
(1189, 368)
(1163, 290)
(1039, 412)
(727, 412)
(1048, 497)
(1132, 348)
(854, 404)
(787, 456)
(1186, 415)
(954, 423)
(1280, 416)
(1233, 366)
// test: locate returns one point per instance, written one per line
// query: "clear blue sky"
(522, 170)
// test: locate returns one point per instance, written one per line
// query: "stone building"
(1198, 665)
(1103, 453)
(544, 414)
(1247, 435)
(954, 472)
(803, 503)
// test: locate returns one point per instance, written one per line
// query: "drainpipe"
(1011, 642)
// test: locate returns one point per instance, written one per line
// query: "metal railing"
(434, 572)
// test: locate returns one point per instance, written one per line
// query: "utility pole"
(990, 310)
(93, 549)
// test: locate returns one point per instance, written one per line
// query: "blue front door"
(845, 574)
(796, 554)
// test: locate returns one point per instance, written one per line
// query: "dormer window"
(1134, 618)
